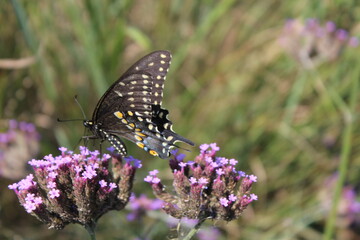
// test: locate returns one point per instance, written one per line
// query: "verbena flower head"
(75, 188)
(19, 142)
(312, 43)
(208, 187)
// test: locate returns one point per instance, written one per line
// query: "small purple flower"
(84, 150)
(62, 149)
(133, 161)
(214, 147)
(253, 197)
(78, 169)
(182, 164)
(112, 186)
(214, 164)
(148, 179)
(220, 171)
(103, 183)
(223, 161)
(232, 198)
(193, 180)
(53, 174)
(224, 202)
(51, 184)
(204, 147)
(30, 206)
(154, 172)
(252, 178)
(155, 180)
(89, 172)
(203, 181)
(54, 193)
(233, 162)
(13, 186)
(31, 202)
(209, 159)
(178, 157)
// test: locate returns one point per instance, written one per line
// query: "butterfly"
(131, 109)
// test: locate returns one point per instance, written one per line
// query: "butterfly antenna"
(69, 120)
(77, 119)
(82, 110)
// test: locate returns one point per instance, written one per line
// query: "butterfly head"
(88, 123)
(92, 126)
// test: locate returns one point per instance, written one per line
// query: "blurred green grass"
(230, 82)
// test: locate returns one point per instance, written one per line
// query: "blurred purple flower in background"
(75, 188)
(140, 206)
(348, 220)
(209, 187)
(312, 43)
(18, 143)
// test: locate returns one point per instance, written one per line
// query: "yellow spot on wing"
(138, 138)
(130, 113)
(140, 134)
(118, 114)
(141, 145)
(154, 153)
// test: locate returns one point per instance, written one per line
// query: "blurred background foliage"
(231, 82)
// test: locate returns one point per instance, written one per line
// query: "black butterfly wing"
(131, 107)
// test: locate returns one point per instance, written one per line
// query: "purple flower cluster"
(208, 187)
(75, 188)
(312, 43)
(18, 144)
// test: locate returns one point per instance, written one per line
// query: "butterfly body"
(131, 108)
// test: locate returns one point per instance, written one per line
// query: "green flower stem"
(90, 228)
(344, 160)
(193, 231)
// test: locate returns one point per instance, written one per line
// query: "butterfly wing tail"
(173, 137)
